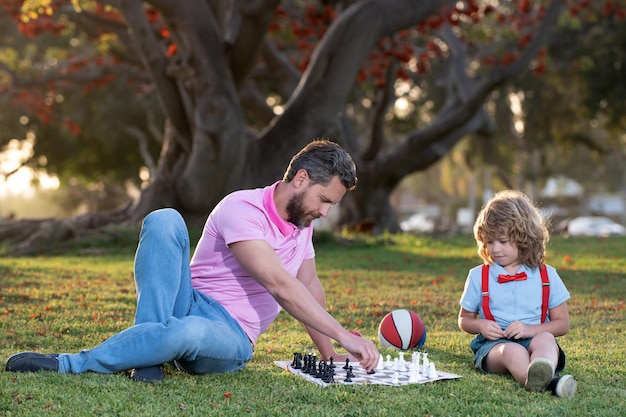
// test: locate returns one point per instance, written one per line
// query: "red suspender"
(486, 309)
(545, 292)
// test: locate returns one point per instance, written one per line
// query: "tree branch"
(383, 100)
(155, 62)
(452, 119)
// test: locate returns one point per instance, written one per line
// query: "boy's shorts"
(482, 346)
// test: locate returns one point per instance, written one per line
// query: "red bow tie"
(502, 278)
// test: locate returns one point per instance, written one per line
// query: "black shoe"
(33, 362)
(149, 375)
(563, 386)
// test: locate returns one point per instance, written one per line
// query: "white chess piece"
(415, 358)
(425, 363)
(396, 379)
(432, 372)
(381, 364)
(401, 358)
(388, 363)
(395, 364)
(414, 375)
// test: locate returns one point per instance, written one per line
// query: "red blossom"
(171, 50)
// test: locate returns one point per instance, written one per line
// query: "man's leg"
(165, 296)
(162, 274)
(173, 321)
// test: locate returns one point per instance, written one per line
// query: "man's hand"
(361, 349)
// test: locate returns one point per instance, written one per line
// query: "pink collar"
(285, 227)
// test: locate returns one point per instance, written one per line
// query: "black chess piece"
(297, 361)
(321, 368)
(350, 374)
(307, 364)
(347, 365)
(329, 375)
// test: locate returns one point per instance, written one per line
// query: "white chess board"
(386, 376)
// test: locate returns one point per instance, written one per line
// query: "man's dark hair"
(322, 160)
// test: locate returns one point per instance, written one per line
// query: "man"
(255, 256)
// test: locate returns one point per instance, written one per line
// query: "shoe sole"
(27, 362)
(540, 373)
(566, 387)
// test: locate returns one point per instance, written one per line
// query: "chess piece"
(297, 361)
(349, 376)
(347, 365)
(381, 363)
(432, 372)
(395, 379)
(415, 358)
(401, 359)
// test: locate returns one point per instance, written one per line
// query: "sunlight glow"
(515, 104)
(402, 108)
(21, 181)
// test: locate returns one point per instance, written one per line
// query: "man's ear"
(301, 178)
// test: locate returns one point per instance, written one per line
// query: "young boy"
(514, 303)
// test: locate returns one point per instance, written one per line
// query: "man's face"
(313, 202)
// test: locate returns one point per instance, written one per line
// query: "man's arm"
(309, 278)
(261, 262)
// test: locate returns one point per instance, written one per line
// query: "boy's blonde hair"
(513, 215)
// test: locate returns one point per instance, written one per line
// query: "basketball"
(402, 330)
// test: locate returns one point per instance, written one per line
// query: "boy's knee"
(544, 339)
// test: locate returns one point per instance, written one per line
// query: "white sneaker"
(540, 373)
(564, 386)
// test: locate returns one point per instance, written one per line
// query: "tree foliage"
(243, 85)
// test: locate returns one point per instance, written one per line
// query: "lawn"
(84, 294)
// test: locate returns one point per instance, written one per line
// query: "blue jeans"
(173, 321)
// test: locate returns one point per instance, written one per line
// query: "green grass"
(76, 299)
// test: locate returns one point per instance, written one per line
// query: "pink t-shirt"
(246, 215)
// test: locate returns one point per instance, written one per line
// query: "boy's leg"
(544, 355)
(510, 358)
(544, 346)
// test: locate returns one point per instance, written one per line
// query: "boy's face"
(503, 251)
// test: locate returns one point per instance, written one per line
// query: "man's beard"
(296, 213)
